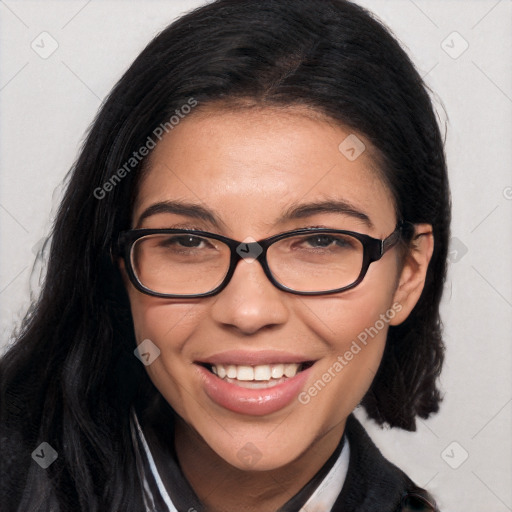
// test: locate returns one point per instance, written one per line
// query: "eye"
(188, 241)
(183, 240)
(324, 241)
(320, 240)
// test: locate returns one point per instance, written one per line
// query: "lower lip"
(254, 402)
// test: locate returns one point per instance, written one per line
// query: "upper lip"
(260, 357)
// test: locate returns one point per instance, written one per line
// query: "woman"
(245, 252)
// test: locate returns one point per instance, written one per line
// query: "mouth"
(256, 376)
(254, 383)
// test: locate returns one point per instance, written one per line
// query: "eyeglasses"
(183, 263)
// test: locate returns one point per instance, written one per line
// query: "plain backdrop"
(462, 48)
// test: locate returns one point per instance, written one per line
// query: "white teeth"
(277, 371)
(245, 373)
(262, 372)
(290, 370)
(231, 371)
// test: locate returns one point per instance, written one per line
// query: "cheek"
(359, 315)
(362, 313)
(353, 327)
(166, 323)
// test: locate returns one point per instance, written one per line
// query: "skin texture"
(248, 167)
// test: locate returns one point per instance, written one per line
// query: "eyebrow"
(191, 210)
(293, 212)
(302, 211)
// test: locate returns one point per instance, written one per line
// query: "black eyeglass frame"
(373, 250)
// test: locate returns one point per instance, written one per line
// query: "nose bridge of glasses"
(249, 250)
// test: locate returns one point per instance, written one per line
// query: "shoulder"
(374, 484)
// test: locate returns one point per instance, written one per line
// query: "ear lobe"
(414, 271)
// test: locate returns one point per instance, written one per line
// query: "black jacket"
(373, 484)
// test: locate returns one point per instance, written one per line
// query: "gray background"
(48, 103)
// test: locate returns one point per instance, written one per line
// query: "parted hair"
(70, 377)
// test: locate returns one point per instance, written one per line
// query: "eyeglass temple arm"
(403, 230)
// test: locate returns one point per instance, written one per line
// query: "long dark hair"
(71, 376)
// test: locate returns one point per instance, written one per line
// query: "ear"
(414, 271)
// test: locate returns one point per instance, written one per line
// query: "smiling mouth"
(257, 376)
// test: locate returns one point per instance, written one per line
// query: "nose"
(250, 301)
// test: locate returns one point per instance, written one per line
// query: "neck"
(222, 487)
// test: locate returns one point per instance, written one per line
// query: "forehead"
(251, 166)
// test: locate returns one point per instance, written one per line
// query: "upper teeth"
(260, 372)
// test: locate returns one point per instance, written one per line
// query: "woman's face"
(248, 168)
